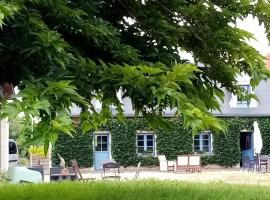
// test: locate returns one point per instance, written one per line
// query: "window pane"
(196, 137)
(140, 149)
(149, 137)
(196, 148)
(104, 139)
(205, 142)
(98, 139)
(140, 137)
(205, 136)
(104, 147)
(150, 143)
(196, 142)
(140, 143)
(244, 101)
(150, 149)
(206, 148)
(98, 147)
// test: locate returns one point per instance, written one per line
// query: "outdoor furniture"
(194, 163)
(137, 171)
(182, 162)
(264, 162)
(22, 174)
(247, 163)
(256, 161)
(56, 174)
(111, 171)
(166, 165)
(78, 173)
(39, 169)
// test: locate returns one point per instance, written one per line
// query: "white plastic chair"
(166, 165)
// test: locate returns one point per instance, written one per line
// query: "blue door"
(246, 144)
(101, 150)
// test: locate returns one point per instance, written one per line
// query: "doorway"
(246, 145)
(101, 149)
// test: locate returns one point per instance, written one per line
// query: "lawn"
(129, 190)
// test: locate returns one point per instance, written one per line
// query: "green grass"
(130, 190)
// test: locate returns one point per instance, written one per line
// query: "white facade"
(4, 135)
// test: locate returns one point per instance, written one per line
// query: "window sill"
(145, 155)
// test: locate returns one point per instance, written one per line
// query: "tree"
(62, 52)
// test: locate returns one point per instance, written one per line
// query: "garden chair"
(166, 165)
(247, 163)
(195, 163)
(263, 162)
(110, 171)
(256, 161)
(137, 172)
(182, 162)
(78, 173)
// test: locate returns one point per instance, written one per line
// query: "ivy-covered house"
(133, 140)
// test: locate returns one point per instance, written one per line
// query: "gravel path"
(235, 176)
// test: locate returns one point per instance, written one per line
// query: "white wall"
(4, 135)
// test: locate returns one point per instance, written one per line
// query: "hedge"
(226, 146)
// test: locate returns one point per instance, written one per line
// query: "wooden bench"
(56, 175)
(190, 163)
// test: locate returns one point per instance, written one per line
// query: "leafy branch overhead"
(61, 53)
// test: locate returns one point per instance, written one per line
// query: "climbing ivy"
(124, 142)
(174, 142)
(227, 146)
(171, 142)
(80, 148)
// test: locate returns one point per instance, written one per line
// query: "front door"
(101, 149)
(246, 144)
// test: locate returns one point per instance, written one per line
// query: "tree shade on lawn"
(63, 52)
(133, 190)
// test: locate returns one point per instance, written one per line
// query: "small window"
(145, 144)
(244, 101)
(202, 143)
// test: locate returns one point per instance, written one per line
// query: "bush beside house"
(226, 146)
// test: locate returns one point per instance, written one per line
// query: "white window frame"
(145, 133)
(242, 102)
(243, 80)
(210, 142)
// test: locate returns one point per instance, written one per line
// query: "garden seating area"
(258, 163)
(187, 163)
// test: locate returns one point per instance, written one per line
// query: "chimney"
(268, 61)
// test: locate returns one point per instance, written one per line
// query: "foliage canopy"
(62, 52)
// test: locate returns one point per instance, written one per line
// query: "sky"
(252, 25)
